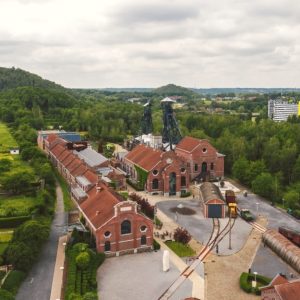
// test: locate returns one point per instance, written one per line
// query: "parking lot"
(138, 276)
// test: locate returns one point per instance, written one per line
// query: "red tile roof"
(63, 155)
(289, 291)
(91, 176)
(145, 157)
(189, 143)
(51, 137)
(80, 170)
(57, 150)
(74, 165)
(68, 160)
(98, 207)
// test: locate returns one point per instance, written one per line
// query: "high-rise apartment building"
(279, 110)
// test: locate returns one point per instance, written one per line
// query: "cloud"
(149, 43)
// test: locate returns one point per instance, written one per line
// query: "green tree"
(83, 260)
(240, 169)
(263, 185)
(292, 199)
(296, 170)
(5, 164)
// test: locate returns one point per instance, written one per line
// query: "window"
(107, 246)
(204, 150)
(143, 240)
(107, 234)
(154, 172)
(182, 170)
(183, 181)
(196, 167)
(143, 228)
(211, 166)
(125, 227)
(155, 184)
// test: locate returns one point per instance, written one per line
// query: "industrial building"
(279, 110)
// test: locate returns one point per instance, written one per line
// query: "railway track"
(255, 225)
(216, 236)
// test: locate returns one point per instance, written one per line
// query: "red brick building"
(117, 225)
(203, 160)
(158, 172)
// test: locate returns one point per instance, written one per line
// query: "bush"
(13, 281)
(146, 207)
(134, 185)
(90, 296)
(185, 194)
(156, 245)
(6, 295)
(246, 282)
(12, 222)
(181, 235)
(83, 260)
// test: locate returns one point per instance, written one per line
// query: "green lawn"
(6, 139)
(180, 249)
(6, 236)
(16, 205)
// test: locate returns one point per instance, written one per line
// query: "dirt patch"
(183, 211)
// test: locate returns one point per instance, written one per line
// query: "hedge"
(185, 194)
(246, 282)
(6, 295)
(134, 185)
(156, 245)
(13, 281)
(12, 222)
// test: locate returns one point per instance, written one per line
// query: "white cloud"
(149, 43)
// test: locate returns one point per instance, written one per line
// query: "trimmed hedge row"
(12, 222)
(246, 282)
(80, 282)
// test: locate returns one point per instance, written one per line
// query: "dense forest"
(260, 153)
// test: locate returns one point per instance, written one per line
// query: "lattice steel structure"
(146, 123)
(171, 134)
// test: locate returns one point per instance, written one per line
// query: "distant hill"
(172, 89)
(12, 78)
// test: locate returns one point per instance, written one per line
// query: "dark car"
(246, 215)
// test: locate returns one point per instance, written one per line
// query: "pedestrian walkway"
(57, 283)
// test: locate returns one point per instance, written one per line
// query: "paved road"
(275, 216)
(37, 285)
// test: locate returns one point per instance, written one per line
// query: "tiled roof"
(52, 137)
(289, 291)
(68, 160)
(189, 143)
(57, 150)
(210, 192)
(80, 170)
(98, 207)
(145, 157)
(91, 157)
(74, 164)
(91, 176)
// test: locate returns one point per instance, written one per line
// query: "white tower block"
(166, 261)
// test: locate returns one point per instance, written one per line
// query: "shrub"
(90, 296)
(146, 207)
(13, 281)
(156, 245)
(12, 222)
(244, 284)
(181, 235)
(185, 194)
(6, 295)
(74, 296)
(83, 260)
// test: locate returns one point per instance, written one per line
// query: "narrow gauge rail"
(215, 237)
(255, 225)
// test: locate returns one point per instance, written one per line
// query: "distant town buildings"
(279, 110)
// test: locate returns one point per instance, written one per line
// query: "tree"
(181, 235)
(256, 168)
(263, 185)
(18, 182)
(292, 199)
(5, 164)
(83, 260)
(240, 169)
(296, 170)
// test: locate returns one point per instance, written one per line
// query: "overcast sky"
(138, 43)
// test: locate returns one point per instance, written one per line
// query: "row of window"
(107, 246)
(204, 167)
(125, 229)
(155, 183)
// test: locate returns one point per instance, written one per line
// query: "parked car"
(247, 215)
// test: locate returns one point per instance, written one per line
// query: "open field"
(16, 205)
(6, 139)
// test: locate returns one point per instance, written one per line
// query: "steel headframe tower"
(146, 123)
(171, 133)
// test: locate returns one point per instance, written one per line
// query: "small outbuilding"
(212, 199)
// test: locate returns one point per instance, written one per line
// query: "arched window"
(211, 166)
(125, 227)
(155, 184)
(183, 181)
(143, 240)
(107, 246)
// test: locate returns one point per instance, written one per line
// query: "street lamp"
(255, 273)
(257, 204)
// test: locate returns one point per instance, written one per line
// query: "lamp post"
(257, 204)
(255, 273)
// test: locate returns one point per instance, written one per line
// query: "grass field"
(6, 139)
(16, 205)
(180, 249)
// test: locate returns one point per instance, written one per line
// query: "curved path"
(37, 285)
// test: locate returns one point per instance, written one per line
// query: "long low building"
(117, 225)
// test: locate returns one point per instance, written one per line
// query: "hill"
(172, 89)
(11, 78)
